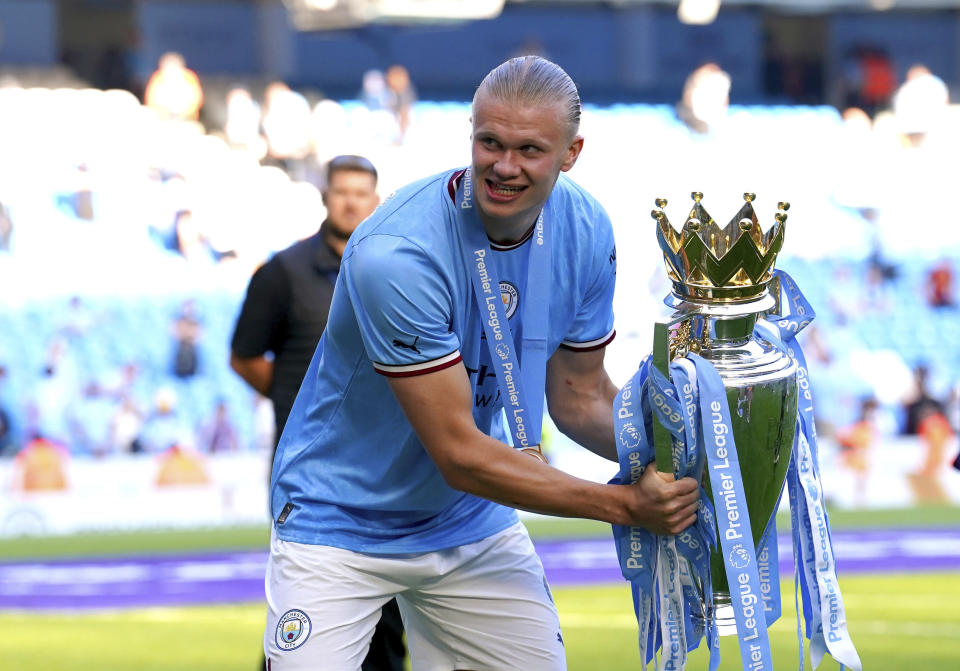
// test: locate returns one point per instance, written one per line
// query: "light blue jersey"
(349, 471)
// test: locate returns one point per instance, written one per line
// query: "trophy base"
(722, 612)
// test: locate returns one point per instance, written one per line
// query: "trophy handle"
(661, 357)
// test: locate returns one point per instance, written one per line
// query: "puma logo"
(413, 345)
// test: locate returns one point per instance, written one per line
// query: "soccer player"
(394, 477)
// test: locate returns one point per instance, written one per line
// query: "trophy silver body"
(722, 284)
(761, 388)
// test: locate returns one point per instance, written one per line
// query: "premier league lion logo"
(739, 557)
(629, 436)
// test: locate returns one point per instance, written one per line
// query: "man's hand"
(663, 505)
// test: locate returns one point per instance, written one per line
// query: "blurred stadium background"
(136, 201)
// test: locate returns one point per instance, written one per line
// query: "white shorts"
(484, 606)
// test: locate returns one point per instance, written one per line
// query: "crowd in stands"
(129, 230)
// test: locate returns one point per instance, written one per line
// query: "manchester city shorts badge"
(293, 629)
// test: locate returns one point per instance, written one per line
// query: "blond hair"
(533, 81)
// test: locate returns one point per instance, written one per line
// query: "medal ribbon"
(521, 390)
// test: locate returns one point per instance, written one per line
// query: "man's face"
(518, 153)
(350, 198)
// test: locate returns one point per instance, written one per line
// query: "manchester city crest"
(510, 297)
(293, 629)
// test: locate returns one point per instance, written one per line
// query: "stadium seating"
(131, 286)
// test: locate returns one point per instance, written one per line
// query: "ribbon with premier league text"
(521, 389)
(664, 572)
(733, 520)
(816, 571)
(692, 405)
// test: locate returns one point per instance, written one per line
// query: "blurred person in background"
(389, 472)
(856, 441)
(878, 78)
(921, 402)
(402, 96)
(54, 395)
(163, 427)
(125, 427)
(705, 100)
(8, 438)
(242, 126)
(190, 241)
(126, 388)
(217, 434)
(374, 93)
(187, 333)
(286, 127)
(940, 285)
(935, 435)
(78, 199)
(284, 315)
(919, 105)
(173, 90)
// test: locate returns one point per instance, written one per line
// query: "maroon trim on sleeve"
(418, 369)
(590, 346)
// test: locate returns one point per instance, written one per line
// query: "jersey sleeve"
(262, 321)
(402, 306)
(592, 326)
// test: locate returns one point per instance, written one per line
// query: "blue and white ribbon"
(664, 591)
(813, 549)
(521, 389)
(692, 405)
(733, 519)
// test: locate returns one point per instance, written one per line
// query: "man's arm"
(580, 399)
(260, 327)
(439, 407)
(257, 371)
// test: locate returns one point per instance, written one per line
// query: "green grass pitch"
(897, 622)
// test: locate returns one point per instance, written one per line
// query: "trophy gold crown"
(729, 264)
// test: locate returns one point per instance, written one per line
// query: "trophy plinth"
(721, 287)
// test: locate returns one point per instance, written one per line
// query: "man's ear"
(573, 153)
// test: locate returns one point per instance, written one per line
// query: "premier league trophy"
(721, 279)
(725, 398)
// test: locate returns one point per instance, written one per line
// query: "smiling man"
(462, 301)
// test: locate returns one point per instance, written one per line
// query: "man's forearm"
(256, 371)
(500, 473)
(494, 471)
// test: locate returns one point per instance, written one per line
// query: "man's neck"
(507, 232)
(335, 240)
